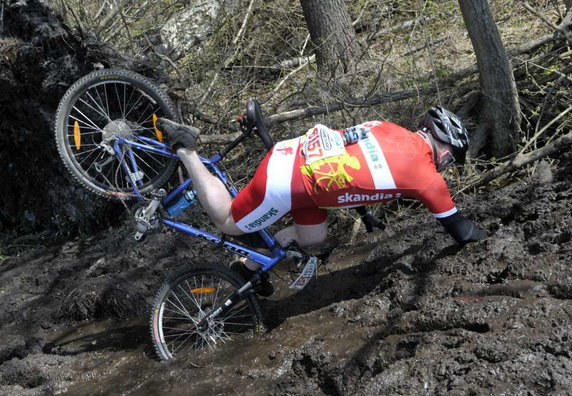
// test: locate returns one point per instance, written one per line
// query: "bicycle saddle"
(255, 122)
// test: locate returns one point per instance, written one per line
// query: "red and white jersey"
(275, 190)
(391, 162)
(300, 177)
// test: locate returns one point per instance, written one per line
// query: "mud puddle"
(122, 360)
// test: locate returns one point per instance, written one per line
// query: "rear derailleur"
(147, 217)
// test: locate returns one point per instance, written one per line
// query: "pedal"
(146, 218)
(310, 270)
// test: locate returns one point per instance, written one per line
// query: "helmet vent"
(446, 127)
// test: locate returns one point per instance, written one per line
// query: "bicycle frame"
(266, 262)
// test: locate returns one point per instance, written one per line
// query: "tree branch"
(110, 17)
(373, 100)
(535, 137)
(408, 24)
(521, 160)
(527, 5)
(293, 62)
(348, 103)
(77, 20)
(425, 46)
(219, 139)
(560, 28)
(240, 33)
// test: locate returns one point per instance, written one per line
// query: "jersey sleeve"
(437, 198)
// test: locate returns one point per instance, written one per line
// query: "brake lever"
(243, 125)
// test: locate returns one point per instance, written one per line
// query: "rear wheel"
(189, 297)
(97, 109)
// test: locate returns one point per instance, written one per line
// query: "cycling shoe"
(264, 288)
(178, 135)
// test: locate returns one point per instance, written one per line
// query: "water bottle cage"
(188, 198)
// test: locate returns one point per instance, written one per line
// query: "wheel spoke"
(98, 111)
(192, 297)
(149, 167)
(180, 306)
(96, 130)
(89, 122)
(86, 157)
(135, 106)
(121, 109)
(149, 117)
(99, 108)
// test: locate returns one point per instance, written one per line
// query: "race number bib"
(322, 142)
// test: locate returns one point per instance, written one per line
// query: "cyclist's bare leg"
(213, 195)
(216, 200)
(304, 235)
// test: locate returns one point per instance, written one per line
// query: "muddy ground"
(409, 314)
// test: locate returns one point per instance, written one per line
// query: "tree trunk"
(499, 116)
(332, 34)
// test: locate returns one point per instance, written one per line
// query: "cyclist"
(373, 162)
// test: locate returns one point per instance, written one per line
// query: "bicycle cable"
(116, 184)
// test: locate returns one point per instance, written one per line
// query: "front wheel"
(190, 296)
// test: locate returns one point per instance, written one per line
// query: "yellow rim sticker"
(203, 290)
(76, 135)
(157, 131)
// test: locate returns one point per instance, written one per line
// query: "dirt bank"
(40, 57)
(409, 314)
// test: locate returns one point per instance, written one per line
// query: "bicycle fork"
(234, 298)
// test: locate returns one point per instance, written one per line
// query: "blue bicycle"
(107, 137)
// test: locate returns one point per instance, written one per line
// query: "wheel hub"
(209, 328)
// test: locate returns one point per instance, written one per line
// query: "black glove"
(178, 135)
(462, 229)
(369, 220)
